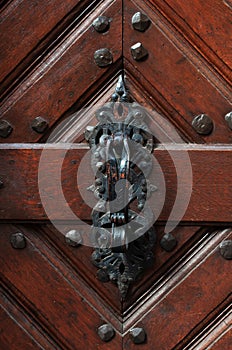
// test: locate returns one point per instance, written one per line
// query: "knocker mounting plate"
(122, 231)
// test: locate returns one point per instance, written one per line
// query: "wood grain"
(176, 76)
(26, 332)
(63, 76)
(186, 302)
(24, 24)
(42, 288)
(199, 31)
(210, 199)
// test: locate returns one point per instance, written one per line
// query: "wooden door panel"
(210, 182)
(25, 24)
(48, 291)
(63, 76)
(19, 330)
(211, 23)
(177, 73)
(51, 296)
(199, 29)
(189, 302)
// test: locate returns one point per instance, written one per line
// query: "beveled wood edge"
(191, 44)
(84, 146)
(189, 262)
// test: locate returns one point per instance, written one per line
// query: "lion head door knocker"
(122, 231)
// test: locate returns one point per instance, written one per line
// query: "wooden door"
(51, 297)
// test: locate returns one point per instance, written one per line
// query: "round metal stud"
(39, 125)
(228, 118)
(140, 22)
(101, 24)
(73, 238)
(203, 124)
(138, 335)
(103, 57)
(106, 332)
(1, 183)
(138, 52)
(103, 276)
(5, 128)
(18, 240)
(226, 249)
(168, 242)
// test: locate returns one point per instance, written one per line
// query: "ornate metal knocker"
(121, 146)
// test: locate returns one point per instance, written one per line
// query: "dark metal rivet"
(138, 52)
(101, 24)
(18, 240)
(103, 57)
(226, 249)
(73, 238)
(39, 125)
(5, 128)
(103, 276)
(228, 118)
(168, 242)
(140, 22)
(1, 184)
(138, 335)
(106, 332)
(203, 124)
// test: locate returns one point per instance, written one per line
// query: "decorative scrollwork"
(121, 147)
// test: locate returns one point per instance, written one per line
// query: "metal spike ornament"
(121, 147)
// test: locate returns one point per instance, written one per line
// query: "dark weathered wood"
(180, 77)
(211, 193)
(185, 305)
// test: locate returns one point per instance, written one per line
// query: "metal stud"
(73, 238)
(5, 128)
(106, 332)
(101, 24)
(18, 240)
(140, 22)
(226, 249)
(168, 242)
(1, 183)
(203, 124)
(103, 57)
(138, 52)
(39, 125)
(228, 118)
(138, 335)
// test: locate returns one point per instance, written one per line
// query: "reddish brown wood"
(199, 39)
(23, 328)
(185, 305)
(224, 342)
(211, 20)
(63, 76)
(24, 24)
(211, 182)
(8, 326)
(180, 78)
(186, 238)
(51, 295)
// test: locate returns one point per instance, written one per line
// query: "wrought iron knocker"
(121, 146)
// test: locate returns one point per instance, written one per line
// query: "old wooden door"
(51, 298)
